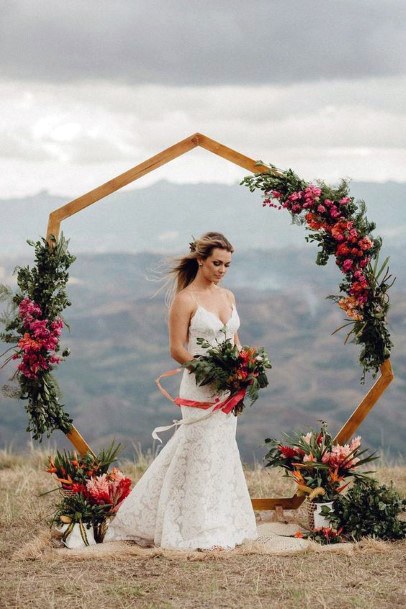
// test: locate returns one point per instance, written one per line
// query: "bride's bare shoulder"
(229, 295)
(183, 300)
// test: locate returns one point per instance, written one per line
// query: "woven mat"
(274, 538)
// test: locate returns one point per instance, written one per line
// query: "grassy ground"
(369, 578)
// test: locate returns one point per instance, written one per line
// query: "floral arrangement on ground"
(91, 494)
(323, 471)
(319, 466)
(341, 229)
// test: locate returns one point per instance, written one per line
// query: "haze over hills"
(163, 216)
(119, 345)
(118, 332)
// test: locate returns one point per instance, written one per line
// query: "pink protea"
(110, 489)
(339, 456)
(355, 443)
(99, 489)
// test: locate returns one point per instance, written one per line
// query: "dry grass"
(370, 576)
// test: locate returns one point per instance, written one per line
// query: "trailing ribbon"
(225, 405)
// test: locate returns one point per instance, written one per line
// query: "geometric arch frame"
(57, 216)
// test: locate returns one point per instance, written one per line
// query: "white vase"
(79, 537)
(319, 520)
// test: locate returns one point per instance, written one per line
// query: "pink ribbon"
(225, 405)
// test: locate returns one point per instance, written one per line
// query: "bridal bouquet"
(227, 368)
(318, 466)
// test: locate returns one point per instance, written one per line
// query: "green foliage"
(78, 508)
(44, 284)
(370, 509)
(71, 467)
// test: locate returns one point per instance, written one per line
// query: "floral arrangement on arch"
(33, 326)
(319, 467)
(340, 228)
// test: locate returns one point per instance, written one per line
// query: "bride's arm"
(236, 337)
(237, 341)
(178, 325)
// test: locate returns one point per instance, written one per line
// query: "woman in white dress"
(194, 495)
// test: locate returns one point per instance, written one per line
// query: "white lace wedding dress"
(194, 494)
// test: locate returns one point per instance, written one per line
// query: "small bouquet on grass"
(90, 492)
(227, 368)
(317, 465)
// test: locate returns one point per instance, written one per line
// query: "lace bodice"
(205, 324)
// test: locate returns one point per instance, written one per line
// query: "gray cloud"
(211, 42)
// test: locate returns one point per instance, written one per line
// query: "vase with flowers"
(91, 494)
(320, 468)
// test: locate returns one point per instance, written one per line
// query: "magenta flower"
(347, 265)
(28, 307)
(353, 235)
(364, 261)
(334, 213)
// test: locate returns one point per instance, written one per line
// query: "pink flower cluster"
(38, 344)
(342, 457)
(109, 489)
(352, 251)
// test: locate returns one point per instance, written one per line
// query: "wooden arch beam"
(57, 216)
(171, 153)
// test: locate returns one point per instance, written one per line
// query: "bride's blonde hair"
(183, 270)
(186, 267)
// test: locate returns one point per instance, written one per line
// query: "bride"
(194, 494)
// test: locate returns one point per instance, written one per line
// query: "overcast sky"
(90, 88)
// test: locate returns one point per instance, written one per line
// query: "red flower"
(77, 487)
(313, 221)
(288, 452)
(342, 250)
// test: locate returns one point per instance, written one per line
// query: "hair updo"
(186, 267)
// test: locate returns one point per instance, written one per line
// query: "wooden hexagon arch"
(198, 139)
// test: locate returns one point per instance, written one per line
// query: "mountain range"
(118, 334)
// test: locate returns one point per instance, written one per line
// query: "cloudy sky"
(90, 88)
